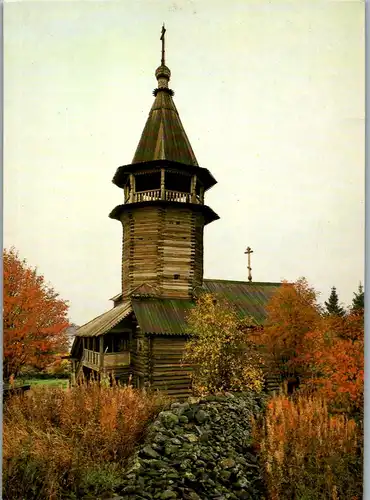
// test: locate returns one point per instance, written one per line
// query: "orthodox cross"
(162, 38)
(248, 252)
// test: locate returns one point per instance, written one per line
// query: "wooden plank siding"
(167, 373)
(162, 246)
(140, 354)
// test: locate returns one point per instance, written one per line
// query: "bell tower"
(163, 214)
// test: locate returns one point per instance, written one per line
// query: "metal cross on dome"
(249, 251)
(162, 38)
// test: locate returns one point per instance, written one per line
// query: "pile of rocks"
(198, 450)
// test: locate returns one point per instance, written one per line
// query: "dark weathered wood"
(169, 374)
(140, 358)
(164, 246)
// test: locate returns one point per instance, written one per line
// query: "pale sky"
(271, 96)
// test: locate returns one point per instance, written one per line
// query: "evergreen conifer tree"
(358, 301)
(332, 304)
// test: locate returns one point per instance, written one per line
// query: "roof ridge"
(246, 282)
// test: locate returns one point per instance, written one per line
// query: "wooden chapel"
(163, 218)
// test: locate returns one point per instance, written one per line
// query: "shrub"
(306, 453)
(222, 356)
(66, 443)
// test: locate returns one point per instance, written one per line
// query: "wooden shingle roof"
(103, 323)
(164, 137)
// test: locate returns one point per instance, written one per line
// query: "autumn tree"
(34, 317)
(358, 301)
(333, 357)
(326, 351)
(292, 312)
(223, 357)
(332, 304)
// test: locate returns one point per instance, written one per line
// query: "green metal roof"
(162, 316)
(248, 298)
(169, 316)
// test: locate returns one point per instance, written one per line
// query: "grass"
(67, 443)
(40, 382)
(306, 453)
(49, 382)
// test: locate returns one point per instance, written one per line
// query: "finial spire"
(248, 252)
(163, 48)
(163, 74)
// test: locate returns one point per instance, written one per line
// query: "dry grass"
(65, 443)
(308, 454)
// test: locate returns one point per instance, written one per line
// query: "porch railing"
(92, 357)
(109, 360)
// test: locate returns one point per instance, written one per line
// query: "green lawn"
(50, 382)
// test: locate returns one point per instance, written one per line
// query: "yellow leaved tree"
(223, 357)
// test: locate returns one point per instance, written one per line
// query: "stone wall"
(199, 450)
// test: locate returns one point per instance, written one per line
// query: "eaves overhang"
(207, 212)
(122, 173)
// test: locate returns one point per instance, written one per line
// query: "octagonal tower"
(163, 214)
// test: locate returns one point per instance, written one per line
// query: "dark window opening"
(115, 343)
(148, 182)
(177, 182)
(197, 187)
(176, 276)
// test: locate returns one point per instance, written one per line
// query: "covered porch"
(108, 351)
(102, 346)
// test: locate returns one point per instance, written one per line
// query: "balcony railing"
(108, 360)
(116, 359)
(91, 357)
(169, 195)
(147, 195)
(177, 196)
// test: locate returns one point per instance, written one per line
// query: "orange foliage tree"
(34, 317)
(293, 311)
(333, 354)
(325, 352)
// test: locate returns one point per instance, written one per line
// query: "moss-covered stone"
(198, 450)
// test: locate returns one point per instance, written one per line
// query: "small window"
(176, 276)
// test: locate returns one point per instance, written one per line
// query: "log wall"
(162, 246)
(166, 372)
(140, 354)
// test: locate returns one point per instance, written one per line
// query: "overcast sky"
(271, 96)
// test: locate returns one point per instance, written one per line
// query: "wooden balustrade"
(117, 359)
(92, 357)
(109, 360)
(177, 196)
(148, 195)
(169, 195)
